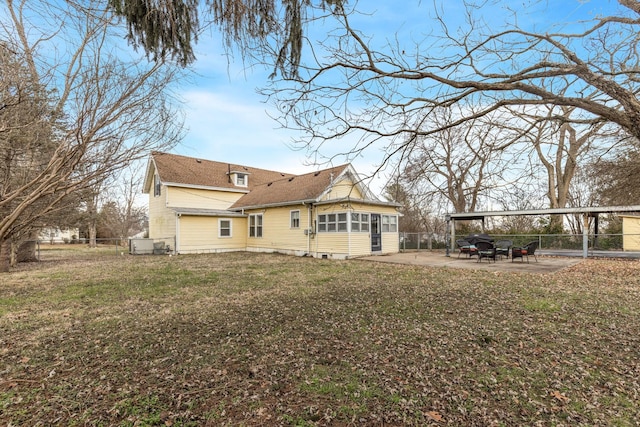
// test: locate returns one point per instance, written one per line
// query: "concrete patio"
(545, 264)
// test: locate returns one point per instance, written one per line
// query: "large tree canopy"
(171, 27)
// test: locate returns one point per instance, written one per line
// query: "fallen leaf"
(561, 397)
(434, 415)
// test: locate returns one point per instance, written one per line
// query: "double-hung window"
(295, 219)
(255, 225)
(224, 228)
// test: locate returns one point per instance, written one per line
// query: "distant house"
(199, 206)
(58, 235)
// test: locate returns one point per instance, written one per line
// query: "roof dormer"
(239, 178)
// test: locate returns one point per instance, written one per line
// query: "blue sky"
(228, 121)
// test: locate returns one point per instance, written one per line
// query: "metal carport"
(586, 212)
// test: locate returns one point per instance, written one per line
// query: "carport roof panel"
(556, 211)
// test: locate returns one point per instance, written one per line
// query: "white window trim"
(220, 236)
(291, 218)
(360, 222)
(386, 222)
(255, 226)
(336, 223)
(246, 179)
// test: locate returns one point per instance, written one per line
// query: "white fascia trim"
(148, 176)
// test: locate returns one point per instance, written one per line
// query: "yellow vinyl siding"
(201, 199)
(277, 234)
(390, 239)
(360, 244)
(390, 243)
(199, 234)
(162, 221)
(382, 210)
(336, 244)
(342, 189)
(631, 233)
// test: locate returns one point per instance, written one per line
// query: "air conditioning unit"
(141, 246)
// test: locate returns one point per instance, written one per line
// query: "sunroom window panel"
(342, 222)
(364, 222)
(355, 222)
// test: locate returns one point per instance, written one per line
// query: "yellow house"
(200, 206)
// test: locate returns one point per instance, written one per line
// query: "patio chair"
(525, 251)
(503, 247)
(486, 250)
(466, 248)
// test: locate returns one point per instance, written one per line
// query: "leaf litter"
(259, 339)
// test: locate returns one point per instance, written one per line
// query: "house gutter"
(315, 202)
(274, 205)
(360, 201)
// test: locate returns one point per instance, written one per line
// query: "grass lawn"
(91, 338)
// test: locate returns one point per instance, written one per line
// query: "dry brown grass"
(254, 339)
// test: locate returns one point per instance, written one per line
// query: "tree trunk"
(27, 251)
(556, 224)
(92, 234)
(5, 255)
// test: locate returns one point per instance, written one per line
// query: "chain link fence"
(552, 242)
(45, 250)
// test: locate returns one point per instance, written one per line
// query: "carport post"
(585, 236)
(449, 235)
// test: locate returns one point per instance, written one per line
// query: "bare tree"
(348, 84)
(563, 143)
(616, 179)
(121, 214)
(460, 163)
(420, 212)
(111, 107)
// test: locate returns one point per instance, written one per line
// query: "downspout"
(349, 233)
(317, 235)
(177, 250)
(309, 230)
